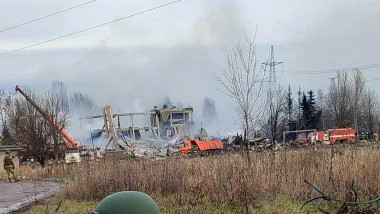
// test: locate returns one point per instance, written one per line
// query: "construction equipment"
(70, 142)
(71, 156)
(198, 147)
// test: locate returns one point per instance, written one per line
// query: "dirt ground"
(14, 196)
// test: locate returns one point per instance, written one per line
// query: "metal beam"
(120, 115)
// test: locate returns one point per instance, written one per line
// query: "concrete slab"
(14, 196)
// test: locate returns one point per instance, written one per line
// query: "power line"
(90, 28)
(362, 67)
(333, 82)
(44, 17)
(372, 80)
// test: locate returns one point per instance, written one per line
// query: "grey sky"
(175, 51)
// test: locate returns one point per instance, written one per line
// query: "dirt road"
(14, 196)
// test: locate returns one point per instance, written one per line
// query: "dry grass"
(232, 179)
(25, 173)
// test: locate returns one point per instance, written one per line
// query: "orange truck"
(198, 147)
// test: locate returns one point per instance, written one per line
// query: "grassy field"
(169, 206)
(266, 182)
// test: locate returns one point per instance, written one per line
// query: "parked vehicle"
(331, 136)
(198, 147)
(347, 135)
(316, 137)
(72, 156)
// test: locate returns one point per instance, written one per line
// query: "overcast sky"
(177, 50)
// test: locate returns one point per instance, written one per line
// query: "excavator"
(72, 154)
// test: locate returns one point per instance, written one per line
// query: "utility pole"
(272, 73)
(272, 89)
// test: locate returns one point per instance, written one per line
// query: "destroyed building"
(166, 125)
(172, 122)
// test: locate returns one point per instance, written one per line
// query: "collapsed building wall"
(167, 125)
(172, 122)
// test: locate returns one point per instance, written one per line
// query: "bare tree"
(275, 119)
(351, 104)
(321, 106)
(58, 108)
(5, 138)
(339, 101)
(28, 127)
(34, 131)
(357, 95)
(242, 81)
(82, 104)
(370, 111)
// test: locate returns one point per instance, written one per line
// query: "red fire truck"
(347, 135)
(316, 136)
(331, 136)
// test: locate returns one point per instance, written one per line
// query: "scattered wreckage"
(234, 143)
(169, 133)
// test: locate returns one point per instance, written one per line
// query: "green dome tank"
(127, 202)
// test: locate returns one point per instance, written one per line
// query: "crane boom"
(70, 142)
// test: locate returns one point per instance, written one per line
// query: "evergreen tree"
(311, 117)
(289, 111)
(315, 114)
(305, 117)
(311, 101)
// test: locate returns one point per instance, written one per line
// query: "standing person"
(9, 167)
